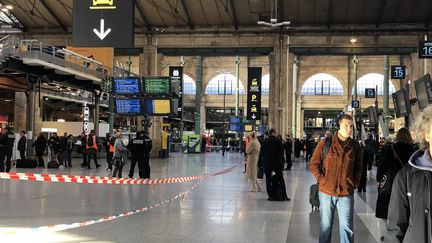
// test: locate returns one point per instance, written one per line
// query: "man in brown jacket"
(338, 176)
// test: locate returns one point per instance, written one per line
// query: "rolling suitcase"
(53, 165)
(26, 163)
(314, 197)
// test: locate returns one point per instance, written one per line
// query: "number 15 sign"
(425, 49)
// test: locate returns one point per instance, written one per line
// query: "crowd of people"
(59, 151)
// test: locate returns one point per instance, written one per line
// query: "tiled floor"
(221, 209)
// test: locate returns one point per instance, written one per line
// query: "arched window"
(221, 81)
(265, 84)
(371, 80)
(189, 86)
(322, 84)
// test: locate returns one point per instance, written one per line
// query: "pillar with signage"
(254, 94)
(86, 119)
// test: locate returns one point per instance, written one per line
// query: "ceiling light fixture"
(353, 40)
(273, 18)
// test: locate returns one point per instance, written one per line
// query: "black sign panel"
(355, 104)
(103, 23)
(423, 87)
(398, 72)
(369, 93)
(254, 94)
(425, 49)
(176, 74)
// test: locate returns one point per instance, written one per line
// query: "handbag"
(385, 185)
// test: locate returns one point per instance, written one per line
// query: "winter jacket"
(40, 144)
(342, 167)
(22, 143)
(273, 153)
(409, 218)
(389, 162)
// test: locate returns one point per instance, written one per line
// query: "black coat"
(22, 143)
(409, 220)
(389, 162)
(40, 145)
(273, 153)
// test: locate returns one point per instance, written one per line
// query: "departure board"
(158, 106)
(128, 106)
(157, 85)
(126, 85)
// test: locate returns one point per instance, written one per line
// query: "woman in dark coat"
(40, 146)
(403, 149)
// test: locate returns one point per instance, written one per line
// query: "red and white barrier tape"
(93, 179)
(62, 227)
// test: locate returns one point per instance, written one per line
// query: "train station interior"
(72, 66)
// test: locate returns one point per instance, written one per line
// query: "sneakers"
(108, 169)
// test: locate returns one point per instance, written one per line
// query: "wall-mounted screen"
(234, 119)
(127, 106)
(400, 103)
(126, 85)
(423, 87)
(157, 85)
(154, 107)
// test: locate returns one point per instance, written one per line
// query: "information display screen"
(128, 106)
(423, 87)
(157, 85)
(158, 106)
(234, 119)
(126, 85)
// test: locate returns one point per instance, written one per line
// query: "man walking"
(338, 176)
(288, 151)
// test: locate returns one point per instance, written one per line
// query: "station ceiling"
(159, 16)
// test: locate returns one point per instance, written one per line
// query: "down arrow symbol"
(102, 33)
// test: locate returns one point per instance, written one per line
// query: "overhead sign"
(425, 49)
(398, 72)
(369, 93)
(355, 104)
(157, 85)
(128, 106)
(254, 94)
(176, 74)
(103, 23)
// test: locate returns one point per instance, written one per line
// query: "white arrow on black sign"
(253, 116)
(102, 33)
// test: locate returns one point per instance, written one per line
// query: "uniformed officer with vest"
(137, 148)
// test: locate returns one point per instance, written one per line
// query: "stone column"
(20, 113)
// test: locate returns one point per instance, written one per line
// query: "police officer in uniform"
(6, 149)
(137, 148)
(144, 168)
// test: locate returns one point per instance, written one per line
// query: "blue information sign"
(126, 85)
(128, 106)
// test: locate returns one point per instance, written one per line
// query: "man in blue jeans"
(338, 175)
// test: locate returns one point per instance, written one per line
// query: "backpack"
(90, 141)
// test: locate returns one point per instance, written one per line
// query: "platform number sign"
(398, 72)
(369, 93)
(355, 104)
(425, 49)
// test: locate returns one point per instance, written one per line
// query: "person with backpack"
(338, 174)
(91, 149)
(109, 148)
(22, 145)
(409, 213)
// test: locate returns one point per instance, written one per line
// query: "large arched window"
(221, 81)
(265, 84)
(322, 84)
(371, 80)
(189, 86)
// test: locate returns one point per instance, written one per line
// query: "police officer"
(144, 168)
(137, 149)
(3, 139)
(9, 145)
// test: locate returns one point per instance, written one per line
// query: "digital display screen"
(126, 85)
(157, 85)
(158, 107)
(128, 106)
(423, 87)
(248, 128)
(400, 96)
(234, 127)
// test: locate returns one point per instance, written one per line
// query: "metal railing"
(76, 98)
(31, 48)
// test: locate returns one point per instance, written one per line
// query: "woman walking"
(253, 151)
